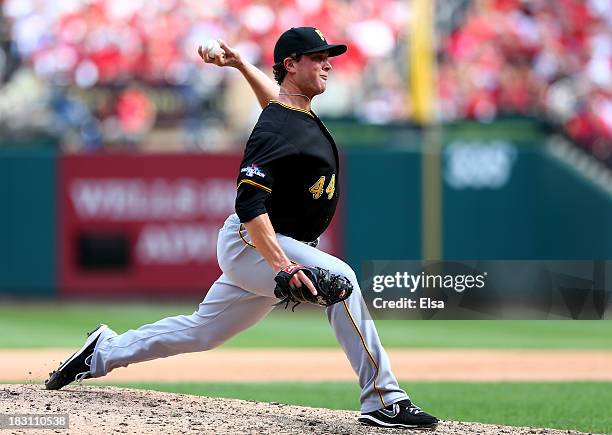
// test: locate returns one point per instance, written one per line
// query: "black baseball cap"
(303, 40)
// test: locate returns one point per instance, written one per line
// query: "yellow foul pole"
(422, 60)
(422, 94)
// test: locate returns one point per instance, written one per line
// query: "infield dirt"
(265, 365)
(103, 410)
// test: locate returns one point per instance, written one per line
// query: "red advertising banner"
(143, 224)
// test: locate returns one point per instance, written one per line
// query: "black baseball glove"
(331, 288)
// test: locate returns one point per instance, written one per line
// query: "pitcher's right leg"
(225, 311)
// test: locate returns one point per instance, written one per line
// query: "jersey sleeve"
(264, 152)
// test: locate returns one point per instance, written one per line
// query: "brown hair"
(280, 71)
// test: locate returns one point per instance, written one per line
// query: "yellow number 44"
(317, 188)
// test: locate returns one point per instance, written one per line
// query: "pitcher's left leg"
(358, 336)
(383, 402)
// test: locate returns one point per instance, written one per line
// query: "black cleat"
(76, 368)
(402, 414)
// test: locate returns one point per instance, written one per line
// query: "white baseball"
(213, 47)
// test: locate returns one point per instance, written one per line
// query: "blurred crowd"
(108, 71)
(104, 73)
(547, 58)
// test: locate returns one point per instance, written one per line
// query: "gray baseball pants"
(243, 295)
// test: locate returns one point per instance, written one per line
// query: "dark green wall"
(382, 205)
(546, 210)
(576, 215)
(500, 223)
(28, 209)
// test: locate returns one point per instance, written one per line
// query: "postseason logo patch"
(251, 170)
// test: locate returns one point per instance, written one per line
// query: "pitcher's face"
(312, 72)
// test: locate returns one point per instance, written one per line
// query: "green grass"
(583, 406)
(31, 325)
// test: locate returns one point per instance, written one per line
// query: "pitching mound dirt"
(103, 410)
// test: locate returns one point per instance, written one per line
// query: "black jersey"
(290, 171)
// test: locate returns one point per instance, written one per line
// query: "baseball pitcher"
(287, 194)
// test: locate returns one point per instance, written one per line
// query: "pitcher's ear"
(289, 63)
